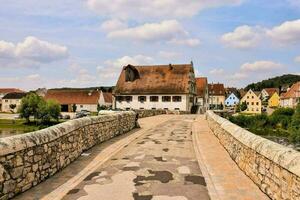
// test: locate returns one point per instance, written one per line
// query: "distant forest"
(276, 82)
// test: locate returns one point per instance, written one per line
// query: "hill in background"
(276, 82)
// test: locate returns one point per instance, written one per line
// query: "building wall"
(184, 105)
(274, 101)
(216, 100)
(7, 102)
(274, 168)
(89, 107)
(28, 159)
(289, 103)
(253, 103)
(232, 100)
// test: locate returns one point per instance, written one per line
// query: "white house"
(12, 101)
(79, 99)
(291, 98)
(267, 93)
(232, 100)
(169, 87)
(5, 91)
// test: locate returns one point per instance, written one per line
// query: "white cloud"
(297, 59)
(150, 31)
(113, 25)
(168, 54)
(42, 51)
(30, 52)
(287, 32)
(137, 9)
(112, 68)
(243, 37)
(167, 30)
(260, 66)
(217, 71)
(192, 42)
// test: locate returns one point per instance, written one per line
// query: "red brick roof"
(74, 96)
(271, 91)
(156, 79)
(294, 92)
(107, 97)
(216, 89)
(9, 90)
(201, 84)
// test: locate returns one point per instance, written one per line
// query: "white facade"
(7, 102)
(89, 107)
(183, 105)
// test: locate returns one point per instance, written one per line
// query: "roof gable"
(216, 89)
(156, 79)
(251, 93)
(201, 84)
(294, 92)
(14, 95)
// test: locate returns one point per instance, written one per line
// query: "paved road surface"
(159, 165)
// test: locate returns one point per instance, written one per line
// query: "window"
(176, 98)
(177, 109)
(252, 103)
(6, 100)
(257, 109)
(154, 99)
(247, 97)
(166, 98)
(247, 103)
(128, 98)
(252, 97)
(141, 108)
(127, 108)
(166, 109)
(119, 98)
(142, 99)
(257, 103)
(191, 99)
(81, 106)
(153, 108)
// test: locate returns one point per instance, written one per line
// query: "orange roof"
(216, 89)
(107, 97)
(294, 92)
(271, 91)
(156, 79)
(201, 84)
(9, 90)
(73, 96)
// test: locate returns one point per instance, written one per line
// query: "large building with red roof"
(216, 95)
(169, 87)
(202, 94)
(79, 99)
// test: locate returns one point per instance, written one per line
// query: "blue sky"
(80, 43)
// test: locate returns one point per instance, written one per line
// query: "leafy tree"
(281, 117)
(295, 125)
(12, 107)
(243, 106)
(48, 110)
(29, 106)
(53, 109)
(74, 107)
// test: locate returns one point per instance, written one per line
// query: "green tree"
(29, 106)
(53, 109)
(243, 106)
(48, 110)
(12, 107)
(295, 125)
(74, 107)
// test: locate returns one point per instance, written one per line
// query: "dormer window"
(131, 73)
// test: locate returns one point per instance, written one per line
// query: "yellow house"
(253, 102)
(274, 101)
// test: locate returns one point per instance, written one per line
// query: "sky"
(83, 43)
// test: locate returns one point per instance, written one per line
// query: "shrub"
(295, 126)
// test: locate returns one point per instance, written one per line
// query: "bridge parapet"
(271, 166)
(28, 159)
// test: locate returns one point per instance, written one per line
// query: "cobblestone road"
(160, 165)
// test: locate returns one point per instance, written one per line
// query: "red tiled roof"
(201, 84)
(156, 79)
(271, 91)
(107, 97)
(74, 96)
(293, 92)
(216, 89)
(9, 90)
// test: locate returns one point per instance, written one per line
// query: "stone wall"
(149, 113)
(28, 159)
(274, 168)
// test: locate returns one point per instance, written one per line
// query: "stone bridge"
(170, 157)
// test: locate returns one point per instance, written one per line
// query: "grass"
(20, 125)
